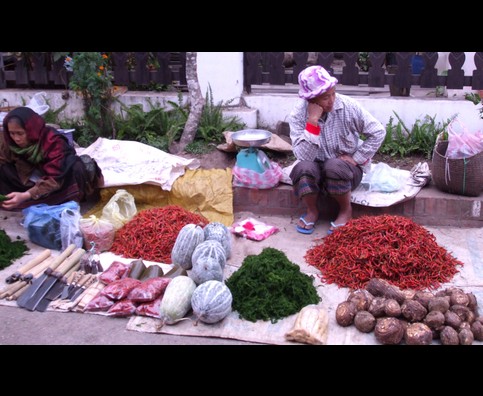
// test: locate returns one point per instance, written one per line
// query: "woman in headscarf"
(326, 129)
(38, 165)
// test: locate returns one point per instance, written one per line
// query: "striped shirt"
(339, 133)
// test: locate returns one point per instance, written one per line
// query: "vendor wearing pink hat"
(325, 128)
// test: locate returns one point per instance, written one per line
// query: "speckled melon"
(176, 301)
(211, 302)
(219, 232)
(189, 237)
(210, 248)
(205, 269)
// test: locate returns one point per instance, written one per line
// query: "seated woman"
(38, 165)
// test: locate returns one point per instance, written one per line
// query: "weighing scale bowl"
(251, 137)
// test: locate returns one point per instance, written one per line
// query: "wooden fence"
(135, 70)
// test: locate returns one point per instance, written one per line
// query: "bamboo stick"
(33, 262)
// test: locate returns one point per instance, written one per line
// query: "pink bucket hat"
(314, 81)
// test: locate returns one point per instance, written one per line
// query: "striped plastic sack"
(244, 177)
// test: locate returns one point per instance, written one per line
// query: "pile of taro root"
(412, 317)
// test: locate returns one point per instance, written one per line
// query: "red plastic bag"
(116, 271)
(149, 290)
(122, 308)
(99, 303)
(150, 309)
(120, 289)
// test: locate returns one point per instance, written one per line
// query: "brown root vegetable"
(440, 293)
(364, 321)
(464, 325)
(472, 303)
(361, 298)
(382, 288)
(449, 336)
(392, 308)
(452, 319)
(465, 314)
(423, 298)
(466, 337)
(377, 307)
(418, 334)
(345, 313)
(459, 297)
(413, 311)
(389, 331)
(439, 304)
(477, 330)
(434, 320)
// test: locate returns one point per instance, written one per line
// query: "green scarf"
(33, 153)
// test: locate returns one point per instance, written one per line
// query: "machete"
(79, 288)
(56, 290)
(17, 275)
(37, 282)
(55, 277)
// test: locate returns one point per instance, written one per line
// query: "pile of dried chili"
(390, 247)
(150, 235)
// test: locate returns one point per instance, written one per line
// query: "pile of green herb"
(269, 286)
(10, 251)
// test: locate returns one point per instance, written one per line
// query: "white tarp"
(125, 162)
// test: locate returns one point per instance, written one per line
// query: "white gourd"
(205, 269)
(210, 249)
(211, 302)
(190, 236)
(176, 301)
(219, 232)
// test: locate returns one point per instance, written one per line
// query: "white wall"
(223, 72)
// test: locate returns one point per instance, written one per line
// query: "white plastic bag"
(39, 104)
(120, 209)
(99, 231)
(383, 178)
(70, 232)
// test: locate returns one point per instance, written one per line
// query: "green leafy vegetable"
(10, 251)
(269, 286)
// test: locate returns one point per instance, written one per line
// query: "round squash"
(219, 232)
(205, 269)
(176, 301)
(190, 236)
(210, 249)
(211, 302)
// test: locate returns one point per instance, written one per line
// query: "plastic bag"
(120, 209)
(253, 229)
(39, 104)
(244, 177)
(116, 271)
(70, 232)
(383, 178)
(462, 143)
(99, 231)
(42, 222)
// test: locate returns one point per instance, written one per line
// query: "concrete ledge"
(430, 207)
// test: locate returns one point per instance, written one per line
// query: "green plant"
(212, 123)
(92, 79)
(419, 139)
(52, 116)
(476, 99)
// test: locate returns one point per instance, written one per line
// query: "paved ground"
(22, 327)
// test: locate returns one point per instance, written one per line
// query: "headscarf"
(314, 81)
(46, 146)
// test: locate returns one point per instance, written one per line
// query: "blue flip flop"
(334, 227)
(307, 223)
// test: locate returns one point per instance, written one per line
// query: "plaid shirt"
(339, 132)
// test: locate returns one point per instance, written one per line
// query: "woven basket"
(457, 176)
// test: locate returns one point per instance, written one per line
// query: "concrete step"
(430, 206)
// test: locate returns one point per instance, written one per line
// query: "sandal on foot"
(308, 224)
(334, 227)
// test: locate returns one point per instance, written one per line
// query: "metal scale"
(252, 157)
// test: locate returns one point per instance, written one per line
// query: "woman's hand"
(15, 199)
(347, 158)
(314, 112)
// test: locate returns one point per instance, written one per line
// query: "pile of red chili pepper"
(389, 247)
(150, 235)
